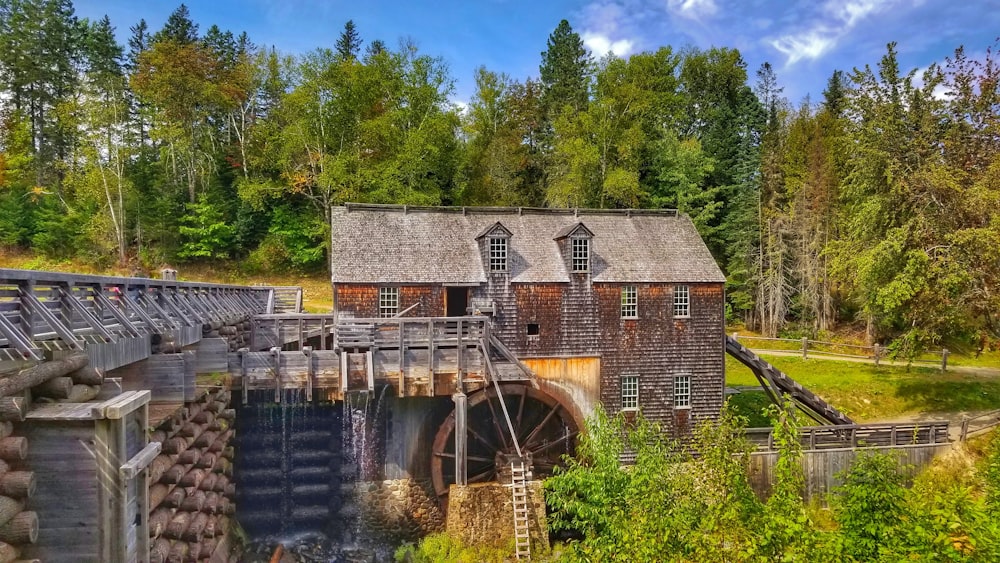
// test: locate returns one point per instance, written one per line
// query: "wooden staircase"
(285, 300)
(519, 490)
(776, 384)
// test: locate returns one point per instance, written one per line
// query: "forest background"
(877, 206)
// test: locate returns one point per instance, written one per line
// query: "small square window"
(388, 301)
(533, 329)
(630, 392)
(682, 391)
(682, 301)
(498, 254)
(630, 302)
(581, 255)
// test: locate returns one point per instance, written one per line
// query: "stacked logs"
(69, 379)
(191, 492)
(237, 333)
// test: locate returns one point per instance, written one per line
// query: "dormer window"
(498, 254)
(494, 246)
(581, 254)
(574, 243)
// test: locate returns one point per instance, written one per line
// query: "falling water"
(297, 472)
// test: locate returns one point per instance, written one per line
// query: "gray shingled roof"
(397, 244)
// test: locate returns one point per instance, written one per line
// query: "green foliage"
(442, 548)
(204, 232)
(869, 506)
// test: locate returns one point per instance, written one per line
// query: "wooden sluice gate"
(414, 356)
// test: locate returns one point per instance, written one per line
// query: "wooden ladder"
(522, 539)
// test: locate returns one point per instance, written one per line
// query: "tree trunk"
(159, 520)
(175, 498)
(8, 553)
(18, 484)
(87, 375)
(178, 525)
(14, 448)
(194, 502)
(9, 508)
(13, 408)
(21, 529)
(196, 530)
(36, 375)
(55, 388)
(83, 393)
(159, 551)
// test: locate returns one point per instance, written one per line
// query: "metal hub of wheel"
(544, 427)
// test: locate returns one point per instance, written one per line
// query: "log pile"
(56, 381)
(191, 490)
(236, 331)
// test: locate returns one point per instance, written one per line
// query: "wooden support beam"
(73, 305)
(140, 461)
(276, 363)
(307, 352)
(105, 304)
(19, 339)
(37, 308)
(461, 438)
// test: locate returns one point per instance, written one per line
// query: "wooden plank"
(123, 404)
(140, 461)
(212, 355)
(64, 411)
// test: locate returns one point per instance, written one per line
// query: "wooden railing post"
(805, 348)
(877, 351)
(944, 359)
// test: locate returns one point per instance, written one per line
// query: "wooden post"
(965, 428)
(307, 352)
(276, 362)
(944, 359)
(461, 439)
(877, 352)
(430, 358)
(461, 359)
(805, 348)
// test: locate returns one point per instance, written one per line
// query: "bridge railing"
(42, 311)
(410, 332)
(858, 435)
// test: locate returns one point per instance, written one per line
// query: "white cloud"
(610, 26)
(693, 9)
(808, 45)
(601, 45)
(836, 19)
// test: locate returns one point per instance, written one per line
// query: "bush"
(442, 548)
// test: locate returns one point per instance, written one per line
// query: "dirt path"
(969, 370)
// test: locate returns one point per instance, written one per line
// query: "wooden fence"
(979, 423)
(833, 350)
(858, 435)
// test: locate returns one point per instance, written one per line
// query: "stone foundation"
(483, 514)
(398, 510)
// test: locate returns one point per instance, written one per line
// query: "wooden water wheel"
(544, 427)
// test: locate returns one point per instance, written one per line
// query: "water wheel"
(545, 430)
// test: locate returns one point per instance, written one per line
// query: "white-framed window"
(630, 392)
(581, 254)
(630, 302)
(682, 391)
(498, 254)
(682, 301)
(388, 301)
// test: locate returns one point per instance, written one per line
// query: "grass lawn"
(868, 393)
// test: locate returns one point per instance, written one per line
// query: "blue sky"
(805, 40)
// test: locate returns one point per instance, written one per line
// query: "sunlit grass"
(867, 393)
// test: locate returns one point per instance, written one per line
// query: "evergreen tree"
(564, 71)
(834, 97)
(349, 44)
(179, 28)
(374, 49)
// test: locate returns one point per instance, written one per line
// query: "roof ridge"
(512, 210)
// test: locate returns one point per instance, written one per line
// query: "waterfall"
(299, 466)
